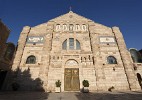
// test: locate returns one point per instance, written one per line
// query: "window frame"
(71, 27)
(77, 27)
(111, 60)
(75, 45)
(77, 42)
(58, 27)
(65, 28)
(29, 59)
(84, 27)
(65, 44)
(71, 44)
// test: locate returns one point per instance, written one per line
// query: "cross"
(70, 8)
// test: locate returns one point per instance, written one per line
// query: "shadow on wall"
(21, 80)
(23, 87)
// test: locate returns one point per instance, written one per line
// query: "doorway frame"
(72, 78)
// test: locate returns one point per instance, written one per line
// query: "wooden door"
(71, 81)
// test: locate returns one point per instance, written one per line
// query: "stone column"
(128, 66)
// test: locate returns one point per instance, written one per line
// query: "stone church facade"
(71, 48)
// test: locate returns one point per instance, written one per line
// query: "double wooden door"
(71, 82)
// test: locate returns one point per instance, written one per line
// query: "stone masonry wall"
(90, 59)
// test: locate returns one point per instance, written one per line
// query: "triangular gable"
(70, 16)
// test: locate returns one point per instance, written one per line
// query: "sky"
(125, 14)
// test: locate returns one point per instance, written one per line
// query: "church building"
(72, 48)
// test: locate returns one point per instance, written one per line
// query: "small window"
(58, 27)
(71, 27)
(84, 28)
(65, 28)
(77, 27)
(31, 60)
(111, 60)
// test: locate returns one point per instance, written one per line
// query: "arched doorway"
(139, 79)
(71, 76)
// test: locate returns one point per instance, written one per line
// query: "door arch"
(71, 63)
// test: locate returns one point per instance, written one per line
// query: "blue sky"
(126, 14)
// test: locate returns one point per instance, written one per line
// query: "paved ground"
(71, 96)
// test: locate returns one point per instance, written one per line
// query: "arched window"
(65, 28)
(58, 27)
(72, 44)
(77, 45)
(84, 28)
(64, 45)
(31, 60)
(77, 26)
(71, 27)
(111, 60)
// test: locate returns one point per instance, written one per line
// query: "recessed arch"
(71, 44)
(31, 59)
(77, 26)
(65, 28)
(111, 60)
(58, 27)
(71, 27)
(84, 27)
(71, 62)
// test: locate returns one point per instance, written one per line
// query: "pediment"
(71, 16)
